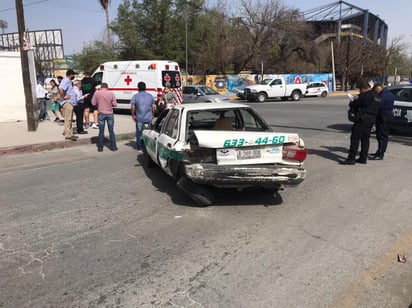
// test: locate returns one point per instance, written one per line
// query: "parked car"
(273, 88)
(402, 109)
(317, 89)
(222, 145)
(201, 93)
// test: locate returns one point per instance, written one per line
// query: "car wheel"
(284, 98)
(148, 161)
(261, 97)
(295, 95)
(324, 94)
(197, 193)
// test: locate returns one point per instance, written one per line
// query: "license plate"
(248, 154)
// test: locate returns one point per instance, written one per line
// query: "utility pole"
(31, 123)
(186, 54)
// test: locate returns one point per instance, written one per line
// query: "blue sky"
(82, 21)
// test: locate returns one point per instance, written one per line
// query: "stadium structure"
(340, 19)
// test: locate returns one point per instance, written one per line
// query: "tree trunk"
(109, 36)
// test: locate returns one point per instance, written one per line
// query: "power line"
(13, 8)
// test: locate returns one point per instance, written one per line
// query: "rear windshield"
(244, 119)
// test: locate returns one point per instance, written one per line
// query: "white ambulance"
(122, 78)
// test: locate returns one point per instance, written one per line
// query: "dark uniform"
(369, 104)
(384, 122)
(88, 87)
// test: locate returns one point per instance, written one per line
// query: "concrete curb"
(47, 146)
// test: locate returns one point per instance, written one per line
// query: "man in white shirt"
(79, 108)
(41, 99)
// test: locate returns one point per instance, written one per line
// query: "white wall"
(12, 99)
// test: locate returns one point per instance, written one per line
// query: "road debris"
(402, 258)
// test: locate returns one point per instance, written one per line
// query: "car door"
(316, 89)
(277, 88)
(151, 136)
(402, 109)
(168, 138)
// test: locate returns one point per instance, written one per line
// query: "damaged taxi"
(222, 145)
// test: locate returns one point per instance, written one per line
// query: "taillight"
(200, 155)
(294, 153)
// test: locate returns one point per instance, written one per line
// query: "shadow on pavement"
(346, 127)
(331, 153)
(225, 197)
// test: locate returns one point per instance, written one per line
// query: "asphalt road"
(80, 228)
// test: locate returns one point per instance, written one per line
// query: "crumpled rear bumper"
(244, 175)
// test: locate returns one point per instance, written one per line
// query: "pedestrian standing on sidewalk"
(89, 86)
(143, 107)
(54, 98)
(79, 108)
(168, 98)
(41, 99)
(105, 101)
(67, 102)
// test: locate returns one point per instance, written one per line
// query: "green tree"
(92, 55)
(149, 29)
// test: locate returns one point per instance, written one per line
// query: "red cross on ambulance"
(128, 80)
(167, 78)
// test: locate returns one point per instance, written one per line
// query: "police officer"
(368, 103)
(383, 121)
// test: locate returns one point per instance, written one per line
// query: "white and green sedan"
(223, 145)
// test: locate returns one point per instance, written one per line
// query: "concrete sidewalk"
(15, 138)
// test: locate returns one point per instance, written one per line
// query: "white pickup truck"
(273, 88)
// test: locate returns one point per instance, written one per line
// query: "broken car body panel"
(228, 145)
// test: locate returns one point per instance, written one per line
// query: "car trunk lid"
(246, 147)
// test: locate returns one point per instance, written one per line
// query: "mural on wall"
(233, 84)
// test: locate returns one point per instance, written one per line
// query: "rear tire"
(324, 94)
(295, 95)
(197, 193)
